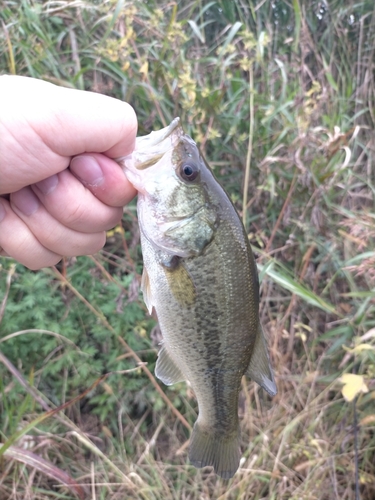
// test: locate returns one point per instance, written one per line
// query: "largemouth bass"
(201, 278)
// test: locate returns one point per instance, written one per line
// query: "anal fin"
(259, 368)
(166, 369)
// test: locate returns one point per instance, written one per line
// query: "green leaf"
(232, 33)
(198, 33)
(293, 286)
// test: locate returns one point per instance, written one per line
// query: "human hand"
(61, 189)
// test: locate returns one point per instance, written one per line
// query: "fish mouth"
(149, 149)
(158, 138)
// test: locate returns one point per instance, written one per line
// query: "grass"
(302, 71)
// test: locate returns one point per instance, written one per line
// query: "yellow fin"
(166, 369)
(259, 368)
(221, 452)
(146, 290)
(181, 284)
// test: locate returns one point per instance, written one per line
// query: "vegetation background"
(280, 97)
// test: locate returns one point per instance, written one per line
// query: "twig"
(356, 459)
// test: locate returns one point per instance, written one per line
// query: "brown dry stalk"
(38, 397)
(250, 144)
(205, 138)
(11, 59)
(306, 261)
(36, 462)
(286, 203)
(105, 322)
(21, 380)
(6, 294)
(104, 271)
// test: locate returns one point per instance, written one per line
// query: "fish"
(201, 279)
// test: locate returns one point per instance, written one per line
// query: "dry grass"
(310, 213)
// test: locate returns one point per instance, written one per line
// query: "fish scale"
(201, 279)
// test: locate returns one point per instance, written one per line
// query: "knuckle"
(75, 215)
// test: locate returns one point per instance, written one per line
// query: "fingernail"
(48, 185)
(2, 212)
(25, 200)
(87, 169)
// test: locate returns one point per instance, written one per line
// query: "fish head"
(175, 210)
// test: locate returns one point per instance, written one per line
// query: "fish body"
(200, 277)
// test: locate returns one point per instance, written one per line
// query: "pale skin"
(60, 188)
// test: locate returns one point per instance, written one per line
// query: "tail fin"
(221, 451)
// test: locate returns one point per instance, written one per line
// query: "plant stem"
(250, 144)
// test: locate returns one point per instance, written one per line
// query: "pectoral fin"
(166, 369)
(259, 368)
(180, 284)
(146, 290)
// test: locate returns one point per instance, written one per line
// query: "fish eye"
(189, 171)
